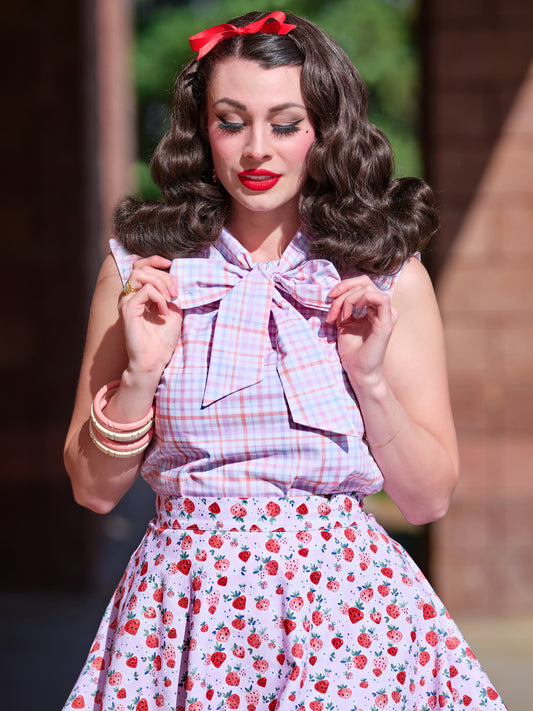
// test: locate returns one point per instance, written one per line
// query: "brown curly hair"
(359, 217)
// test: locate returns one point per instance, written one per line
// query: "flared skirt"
(295, 604)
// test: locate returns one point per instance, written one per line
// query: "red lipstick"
(258, 179)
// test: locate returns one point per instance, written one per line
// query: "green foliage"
(376, 34)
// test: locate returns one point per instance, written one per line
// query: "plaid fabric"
(254, 400)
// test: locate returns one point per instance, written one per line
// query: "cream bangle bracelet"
(115, 452)
(120, 436)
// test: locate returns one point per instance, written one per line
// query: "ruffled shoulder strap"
(124, 259)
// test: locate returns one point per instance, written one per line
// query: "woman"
(272, 307)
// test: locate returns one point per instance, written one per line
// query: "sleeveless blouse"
(254, 401)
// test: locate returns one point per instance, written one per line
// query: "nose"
(257, 146)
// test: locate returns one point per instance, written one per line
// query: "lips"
(257, 179)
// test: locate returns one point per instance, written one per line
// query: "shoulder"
(413, 284)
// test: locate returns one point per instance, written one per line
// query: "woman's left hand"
(361, 340)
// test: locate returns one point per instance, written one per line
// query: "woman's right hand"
(152, 323)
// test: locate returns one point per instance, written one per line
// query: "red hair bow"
(204, 41)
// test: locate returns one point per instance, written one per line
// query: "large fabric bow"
(204, 41)
(313, 388)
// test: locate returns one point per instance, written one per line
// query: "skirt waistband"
(258, 513)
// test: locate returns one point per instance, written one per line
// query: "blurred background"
(86, 86)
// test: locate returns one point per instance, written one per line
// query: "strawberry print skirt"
(295, 604)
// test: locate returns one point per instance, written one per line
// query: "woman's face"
(259, 132)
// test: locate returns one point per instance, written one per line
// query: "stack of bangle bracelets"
(118, 439)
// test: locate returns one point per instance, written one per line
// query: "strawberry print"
(255, 600)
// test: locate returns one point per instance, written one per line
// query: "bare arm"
(395, 361)
(128, 339)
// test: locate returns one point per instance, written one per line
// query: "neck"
(263, 234)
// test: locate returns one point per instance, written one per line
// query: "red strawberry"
(304, 552)
(121, 693)
(365, 640)
(132, 626)
(432, 638)
(396, 696)
(240, 602)
(244, 555)
(218, 659)
(254, 640)
(233, 701)
(387, 572)
(452, 642)
(355, 614)
(288, 625)
(453, 671)
(132, 662)
(142, 705)
(233, 679)
(467, 700)
(491, 693)
(401, 676)
(216, 541)
(281, 659)
(214, 508)
(317, 617)
(78, 702)
(260, 665)
(295, 671)
(158, 595)
(302, 510)
(393, 610)
(344, 692)
(315, 577)
(297, 650)
(428, 611)
(272, 509)
(188, 506)
(424, 657)
(222, 633)
(272, 545)
(333, 584)
(337, 642)
(360, 661)
(152, 641)
(381, 700)
(326, 535)
(239, 622)
(271, 566)
(322, 686)
(262, 681)
(223, 580)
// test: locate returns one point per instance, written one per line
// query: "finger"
(346, 284)
(134, 304)
(161, 280)
(351, 296)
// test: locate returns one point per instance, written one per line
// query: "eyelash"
(278, 129)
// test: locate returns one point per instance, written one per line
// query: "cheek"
(301, 149)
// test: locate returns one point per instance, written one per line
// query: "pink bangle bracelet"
(102, 396)
(120, 436)
(114, 449)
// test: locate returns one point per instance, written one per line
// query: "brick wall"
(479, 145)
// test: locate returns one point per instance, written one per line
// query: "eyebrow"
(274, 109)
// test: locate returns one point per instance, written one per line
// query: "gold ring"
(128, 289)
